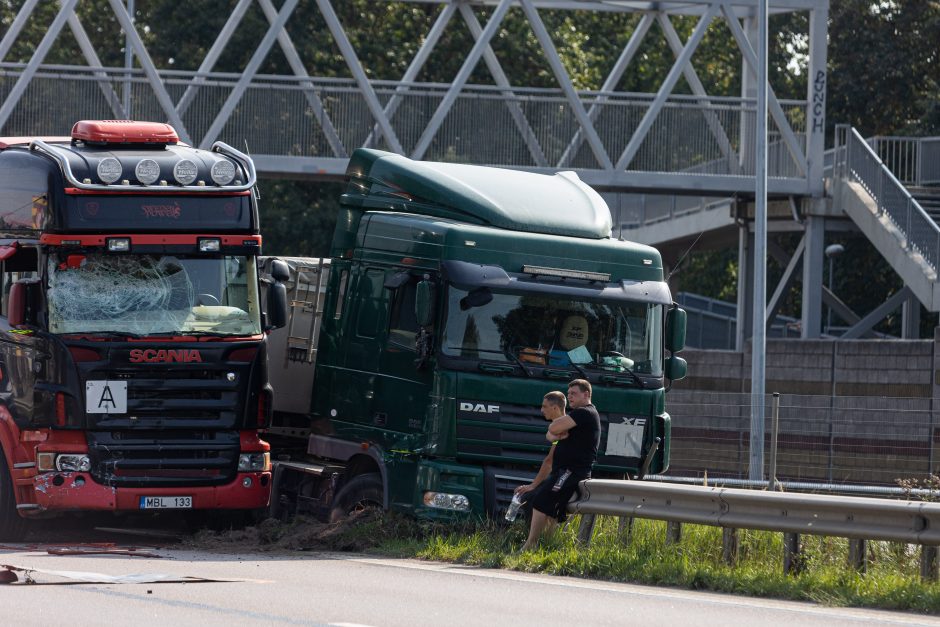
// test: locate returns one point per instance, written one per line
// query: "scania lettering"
(133, 358)
(414, 362)
(152, 355)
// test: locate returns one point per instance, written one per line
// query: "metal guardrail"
(825, 515)
(856, 161)
(801, 486)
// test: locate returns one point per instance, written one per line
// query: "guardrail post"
(625, 525)
(586, 528)
(673, 532)
(793, 563)
(729, 545)
(774, 426)
(928, 563)
(858, 554)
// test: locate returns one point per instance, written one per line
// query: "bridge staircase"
(890, 188)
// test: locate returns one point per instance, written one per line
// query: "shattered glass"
(152, 294)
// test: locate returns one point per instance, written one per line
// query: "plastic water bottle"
(513, 510)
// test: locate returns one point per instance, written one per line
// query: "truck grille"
(516, 432)
(175, 397)
(163, 458)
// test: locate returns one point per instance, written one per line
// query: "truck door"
(20, 349)
(353, 384)
(402, 391)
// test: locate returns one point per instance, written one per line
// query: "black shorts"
(552, 495)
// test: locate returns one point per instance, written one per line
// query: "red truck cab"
(133, 363)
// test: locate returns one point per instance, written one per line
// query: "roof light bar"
(564, 273)
(226, 176)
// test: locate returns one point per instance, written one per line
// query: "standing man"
(578, 437)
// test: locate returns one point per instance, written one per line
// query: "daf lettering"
(479, 408)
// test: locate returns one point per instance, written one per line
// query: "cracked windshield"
(153, 294)
(551, 330)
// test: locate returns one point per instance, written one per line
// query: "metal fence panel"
(831, 439)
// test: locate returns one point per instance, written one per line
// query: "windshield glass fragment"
(152, 294)
(553, 331)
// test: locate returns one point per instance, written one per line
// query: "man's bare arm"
(562, 425)
(544, 471)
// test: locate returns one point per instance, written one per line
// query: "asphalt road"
(348, 589)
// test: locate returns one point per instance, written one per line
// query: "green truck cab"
(456, 297)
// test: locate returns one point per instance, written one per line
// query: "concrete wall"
(850, 411)
(897, 368)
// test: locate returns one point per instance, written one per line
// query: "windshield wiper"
(508, 352)
(581, 370)
(612, 377)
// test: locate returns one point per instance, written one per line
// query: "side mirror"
(16, 307)
(675, 330)
(476, 298)
(280, 271)
(676, 368)
(22, 305)
(424, 303)
(277, 306)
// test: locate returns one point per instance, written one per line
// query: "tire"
(361, 492)
(13, 527)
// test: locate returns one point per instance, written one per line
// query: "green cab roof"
(560, 204)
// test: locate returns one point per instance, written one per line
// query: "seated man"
(553, 408)
(573, 334)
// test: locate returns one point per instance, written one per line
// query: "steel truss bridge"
(644, 150)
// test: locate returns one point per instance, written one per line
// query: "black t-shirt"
(579, 450)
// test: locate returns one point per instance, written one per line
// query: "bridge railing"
(857, 161)
(913, 160)
(329, 117)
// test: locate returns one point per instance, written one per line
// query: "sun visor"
(468, 276)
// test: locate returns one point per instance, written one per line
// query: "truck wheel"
(12, 526)
(359, 493)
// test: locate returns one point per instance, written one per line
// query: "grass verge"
(641, 555)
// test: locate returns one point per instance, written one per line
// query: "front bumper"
(77, 491)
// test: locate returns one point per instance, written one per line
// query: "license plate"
(166, 502)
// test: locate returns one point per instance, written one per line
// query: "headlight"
(452, 502)
(222, 172)
(254, 462)
(147, 171)
(72, 462)
(109, 170)
(185, 171)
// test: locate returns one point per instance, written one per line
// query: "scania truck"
(414, 363)
(132, 338)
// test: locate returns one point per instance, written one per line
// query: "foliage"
(298, 217)
(885, 66)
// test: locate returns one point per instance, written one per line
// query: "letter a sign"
(106, 397)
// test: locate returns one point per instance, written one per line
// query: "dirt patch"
(360, 532)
